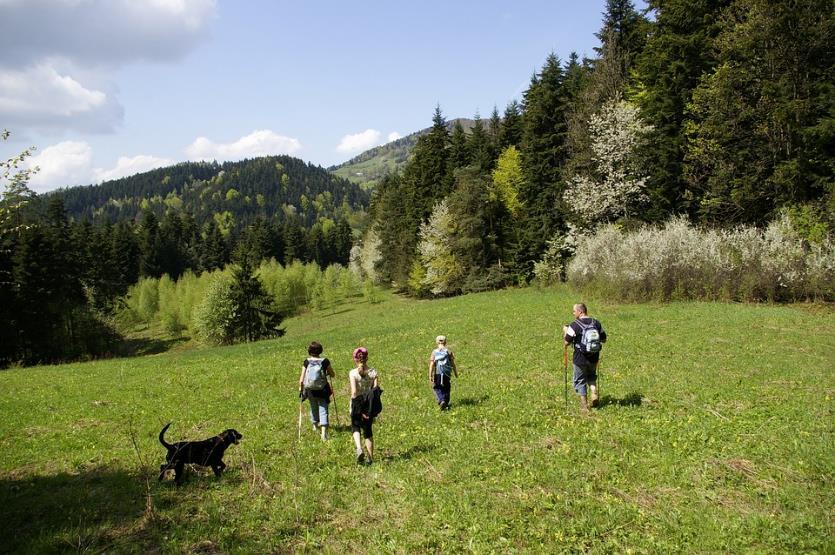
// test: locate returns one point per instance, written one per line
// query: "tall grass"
(681, 261)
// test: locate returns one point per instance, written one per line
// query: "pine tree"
(150, 246)
(761, 135)
(543, 155)
(213, 251)
(255, 316)
(511, 129)
(678, 52)
(479, 147)
(459, 154)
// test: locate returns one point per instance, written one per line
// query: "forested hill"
(368, 168)
(256, 188)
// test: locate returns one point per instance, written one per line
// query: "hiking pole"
(335, 409)
(597, 371)
(565, 376)
(301, 401)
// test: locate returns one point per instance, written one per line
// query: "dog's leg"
(179, 473)
(163, 468)
(218, 468)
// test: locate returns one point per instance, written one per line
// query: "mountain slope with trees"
(369, 167)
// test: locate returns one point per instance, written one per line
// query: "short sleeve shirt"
(573, 336)
(364, 383)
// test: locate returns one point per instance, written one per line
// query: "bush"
(214, 318)
(679, 261)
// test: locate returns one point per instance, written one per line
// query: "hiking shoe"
(368, 462)
(595, 402)
(443, 405)
(360, 457)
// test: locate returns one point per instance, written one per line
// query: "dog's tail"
(162, 439)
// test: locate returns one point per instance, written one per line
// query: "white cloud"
(258, 143)
(359, 141)
(394, 135)
(64, 164)
(70, 163)
(42, 89)
(93, 32)
(55, 54)
(130, 166)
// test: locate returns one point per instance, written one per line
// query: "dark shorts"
(359, 424)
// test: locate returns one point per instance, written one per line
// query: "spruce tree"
(480, 147)
(459, 154)
(511, 129)
(255, 316)
(543, 155)
(678, 52)
(761, 135)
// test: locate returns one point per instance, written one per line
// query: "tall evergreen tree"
(480, 147)
(150, 246)
(511, 130)
(494, 131)
(543, 155)
(678, 52)
(255, 315)
(762, 133)
(459, 154)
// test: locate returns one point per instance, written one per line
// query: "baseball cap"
(440, 339)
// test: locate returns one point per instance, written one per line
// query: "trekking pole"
(335, 409)
(565, 376)
(597, 371)
(301, 401)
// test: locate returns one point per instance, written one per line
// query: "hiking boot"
(595, 401)
(443, 405)
(360, 457)
(584, 406)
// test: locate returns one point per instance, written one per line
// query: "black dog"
(208, 452)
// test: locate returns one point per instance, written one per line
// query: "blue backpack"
(315, 378)
(443, 365)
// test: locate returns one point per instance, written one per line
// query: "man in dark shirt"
(581, 334)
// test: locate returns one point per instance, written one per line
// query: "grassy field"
(715, 435)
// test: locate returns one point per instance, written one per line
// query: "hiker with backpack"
(314, 386)
(365, 403)
(587, 336)
(441, 368)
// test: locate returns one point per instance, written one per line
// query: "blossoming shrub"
(680, 261)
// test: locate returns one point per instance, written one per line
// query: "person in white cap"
(441, 369)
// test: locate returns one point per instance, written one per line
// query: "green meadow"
(715, 434)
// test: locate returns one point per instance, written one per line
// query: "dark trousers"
(442, 386)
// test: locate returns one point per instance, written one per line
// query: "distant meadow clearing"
(715, 434)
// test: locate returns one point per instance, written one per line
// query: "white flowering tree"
(612, 189)
(443, 273)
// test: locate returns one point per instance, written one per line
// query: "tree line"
(719, 111)
(63, 275)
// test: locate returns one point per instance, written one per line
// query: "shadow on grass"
(98, 510)
(329, 313)
(633, 399)
(469, 401)
(143, 346)
(408, 453)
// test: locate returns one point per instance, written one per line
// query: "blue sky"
(107, 88)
